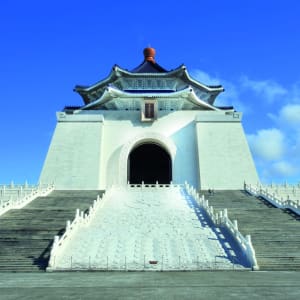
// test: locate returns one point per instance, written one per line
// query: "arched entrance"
(149, 163)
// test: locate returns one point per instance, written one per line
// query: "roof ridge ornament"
(149, 54)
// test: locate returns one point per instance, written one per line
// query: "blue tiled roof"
(149, 67)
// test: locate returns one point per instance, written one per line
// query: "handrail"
(153, 185)
(221, 219)
(81, 219)
(276, 200)
(23, 197)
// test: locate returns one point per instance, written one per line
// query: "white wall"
(175, 131)
(89, 150)
(73, 159)
(224, 157)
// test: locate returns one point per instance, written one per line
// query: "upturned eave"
(110, 93)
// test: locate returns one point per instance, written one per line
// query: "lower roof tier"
(115, 99)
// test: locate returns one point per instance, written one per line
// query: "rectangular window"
(149, 110)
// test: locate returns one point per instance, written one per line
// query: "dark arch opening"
(149, 163)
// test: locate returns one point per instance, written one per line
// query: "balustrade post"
(220, 217)
(235, 224)
(248, 238)
(217, 219)
(68, 226)
(225, 213)
(56, 240)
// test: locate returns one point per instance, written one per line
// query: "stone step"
(26, 234)
(275, 233)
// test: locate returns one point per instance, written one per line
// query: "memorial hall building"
(145, 125)
(149, 174)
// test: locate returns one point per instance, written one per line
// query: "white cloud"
(267, 144)
(295, 93)
(284, 168)
(290, 114)
(268, 89)
(231, 96)
(204, 77)
(287, 117)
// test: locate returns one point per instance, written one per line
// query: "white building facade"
(148, 125)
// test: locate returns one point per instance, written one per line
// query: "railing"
(17, 196)
(145, 263)
(153, 185)
(81, 219)
(274, 198)
(221, 219)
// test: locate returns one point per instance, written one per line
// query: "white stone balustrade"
(157, 185)
(221, 219)
(281, 196)
(81, 219)
(112, 249)
(17, 196)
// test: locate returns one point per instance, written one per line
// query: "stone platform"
(147, 229)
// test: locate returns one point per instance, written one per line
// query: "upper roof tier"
(147, 79)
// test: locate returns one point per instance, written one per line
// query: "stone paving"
(150, 285)
(146, 229)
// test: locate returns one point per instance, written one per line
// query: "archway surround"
(158, 139)
(149, 163)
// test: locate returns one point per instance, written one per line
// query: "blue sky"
(250, 47)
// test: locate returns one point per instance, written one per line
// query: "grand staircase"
(26, 234)
(146, 228)
(275, 233)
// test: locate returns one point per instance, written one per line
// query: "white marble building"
(148, 124)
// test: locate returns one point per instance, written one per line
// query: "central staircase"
(146, 228)
(26, 235)
(275, 233)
